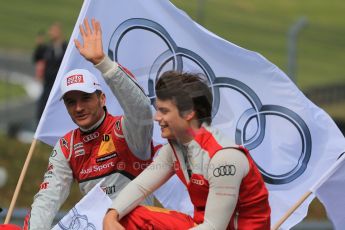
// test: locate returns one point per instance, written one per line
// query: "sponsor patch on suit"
(107, 149)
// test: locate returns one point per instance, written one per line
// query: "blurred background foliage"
(258, 25)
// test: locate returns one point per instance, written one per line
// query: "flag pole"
(20, 181)
(291, 210)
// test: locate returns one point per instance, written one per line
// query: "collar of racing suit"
(96, 125)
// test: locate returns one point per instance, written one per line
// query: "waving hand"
(92, 48)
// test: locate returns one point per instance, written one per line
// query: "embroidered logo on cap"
(77, 78)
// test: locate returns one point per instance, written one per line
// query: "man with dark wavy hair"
(223, 182)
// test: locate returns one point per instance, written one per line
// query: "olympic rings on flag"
(258, 112)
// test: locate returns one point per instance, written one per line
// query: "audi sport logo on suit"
(91, 137)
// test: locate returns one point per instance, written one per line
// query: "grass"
(336, 110)
(12, 158)
(9, 91)
(262, 26)
(21, 20)
(258, 25)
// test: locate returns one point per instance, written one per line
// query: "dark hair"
(188, 91)
(98, 92)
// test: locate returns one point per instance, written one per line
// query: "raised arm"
(137, 122)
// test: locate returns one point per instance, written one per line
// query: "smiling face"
(174, 126)
(85, 109)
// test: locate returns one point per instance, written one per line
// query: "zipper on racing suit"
(236, 221)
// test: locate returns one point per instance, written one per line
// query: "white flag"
(88, 213)
(292, 141)
(331, 192)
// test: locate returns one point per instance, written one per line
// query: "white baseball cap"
(80, 80)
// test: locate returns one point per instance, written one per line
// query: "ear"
(102, 99)
(190, 115)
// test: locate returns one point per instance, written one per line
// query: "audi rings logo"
(257, 113)
(91, 137)
(226, 170)
(197, 181)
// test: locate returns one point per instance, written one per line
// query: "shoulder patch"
(64, 142)
(53, 153)
(118, 125)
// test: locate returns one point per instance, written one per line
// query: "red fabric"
(27, 220)
(9, 227)
(149, 218)
(252, 207)
(252, 210)
(157, 147)
(207, 141)
(124, 160)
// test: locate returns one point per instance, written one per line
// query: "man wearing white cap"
(116, 148)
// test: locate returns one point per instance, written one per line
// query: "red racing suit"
(224, 185)
(252, 210)
(100, 154)
(118, 148)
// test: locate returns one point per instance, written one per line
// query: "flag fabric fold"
(330, 192)
(88, 213)
(291, 140)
